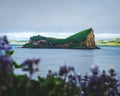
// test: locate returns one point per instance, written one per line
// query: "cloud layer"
(56, 16)
(27, 35)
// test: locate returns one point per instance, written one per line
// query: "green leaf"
(16, 65)
(9, 52)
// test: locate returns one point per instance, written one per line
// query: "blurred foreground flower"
(6, 62)
(95, 84)
(31, 65)
(100, 84)
(4, 45)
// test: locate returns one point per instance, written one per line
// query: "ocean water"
(80, 59)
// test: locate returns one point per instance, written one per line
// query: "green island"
(114, 42)
(81, 40)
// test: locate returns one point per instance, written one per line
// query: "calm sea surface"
(82, 60)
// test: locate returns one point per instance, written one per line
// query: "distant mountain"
(83, 39)
(18, 42)
(115, 42)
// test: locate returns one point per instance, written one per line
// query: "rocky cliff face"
(90, 41)
(84, 39)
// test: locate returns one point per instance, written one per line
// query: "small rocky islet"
(81, 40)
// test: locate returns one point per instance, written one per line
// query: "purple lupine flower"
(70, 77)
(70, 68)
(84, 84)
(4, 45)
(28, 65)
(6, 64)
(36, 60)
(94, 69)
(63, 70)
(79, 77)
(55, 74)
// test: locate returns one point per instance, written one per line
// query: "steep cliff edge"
(84, 39)
(90, 41)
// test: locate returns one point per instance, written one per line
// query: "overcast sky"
(59, 18)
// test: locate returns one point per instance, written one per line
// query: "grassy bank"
(115, 42)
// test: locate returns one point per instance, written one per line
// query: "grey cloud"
(59, 15)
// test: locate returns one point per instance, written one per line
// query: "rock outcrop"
(84, 39)
(90, 41)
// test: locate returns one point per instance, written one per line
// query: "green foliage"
(50, 86)
(79, 36)
(10, 52)
(49, 39)
(117, 40)
(74, 38)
